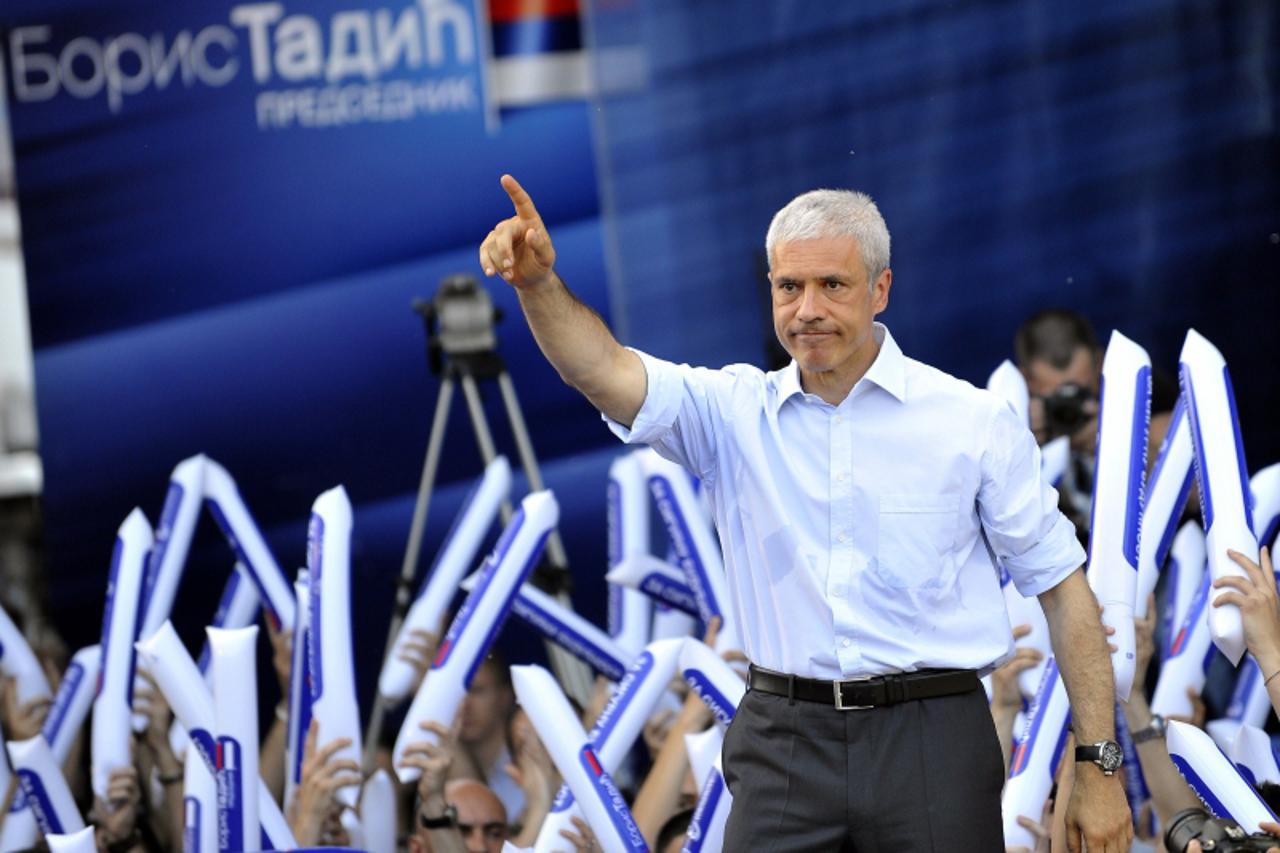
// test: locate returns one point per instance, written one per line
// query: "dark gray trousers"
(919, 776)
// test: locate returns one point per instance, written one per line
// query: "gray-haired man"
(859, 496)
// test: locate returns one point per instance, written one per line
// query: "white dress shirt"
(860, 539)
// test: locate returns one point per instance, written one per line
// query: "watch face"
(1111, 756)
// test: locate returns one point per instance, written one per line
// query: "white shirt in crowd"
(861, 538)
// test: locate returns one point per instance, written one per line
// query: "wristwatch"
(446, 820)
(1107, 754)
(1153, 730)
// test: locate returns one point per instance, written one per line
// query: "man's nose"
(810, 304)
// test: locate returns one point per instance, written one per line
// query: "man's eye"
(833, 284)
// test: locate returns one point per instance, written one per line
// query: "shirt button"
(845, 643)
(842, 538)
(839, 419)
(840, 478)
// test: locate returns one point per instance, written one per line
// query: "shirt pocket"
(916, 542)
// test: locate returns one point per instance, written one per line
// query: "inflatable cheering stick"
(72, 701)
(571, 632)
(706, 827)
(19, 663)
(715, 682)
(173, 541)
(333, 687)
(630, 611)
(477, 623)
(1187, 660)
(299, 691)
(557, 725)
(83, 841)
(245, 538)
(199, 805)
(45, 787)
(1123, 416)
(1035, 756)
(235, 696)
(1213, 777)
(1166, 495)
(192, 702)
(453, 562)
(1222, 476)
(112, 727)
(694, 543)
(616, 729)
(1254, 756)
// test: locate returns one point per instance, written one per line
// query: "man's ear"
(880, 291)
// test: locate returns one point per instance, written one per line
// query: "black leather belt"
(867, 692)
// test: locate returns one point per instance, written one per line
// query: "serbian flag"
(537, 52)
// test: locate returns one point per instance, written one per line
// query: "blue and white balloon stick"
(1222, 476)
(455, 558)
(1187, 660)
(1007, 383)
(333, 686)
(617, 728)
(235, 696)
(83, 841)
(630, 611)
(694, 543)
(245, 538)
(72, 701)
(191, 700)
(199, 805)
(111, 733)
(1166, 495)
(553, 718)
(1213, 777)
(44, 786)
(1035, 757)
(715, 682)
(571, 632)
(299, 691)
(19, 663)
(477, 623)
(1123, 418)
(172, 541)
(1253, 755)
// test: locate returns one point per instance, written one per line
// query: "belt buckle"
(840, 706)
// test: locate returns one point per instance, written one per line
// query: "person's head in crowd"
(671, 836)
(829, 273)
(487, 706)
(1057, 351)
(481, 818)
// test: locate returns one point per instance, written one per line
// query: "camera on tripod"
(1215, 834)
(460, 321)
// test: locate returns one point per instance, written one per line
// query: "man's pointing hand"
(519, 249)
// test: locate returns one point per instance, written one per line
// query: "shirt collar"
(888, 371)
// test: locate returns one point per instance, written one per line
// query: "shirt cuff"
(661, 403)
(1047, 563)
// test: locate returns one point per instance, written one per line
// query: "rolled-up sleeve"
(1035, 542)
(679, 417)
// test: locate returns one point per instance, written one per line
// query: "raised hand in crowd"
(433, 761)
(157, 753)
(1255, 595)
(581, 837)
(21, 720)
(536, 775)
(316, 807)
(1006, 695)
(418, 650)
(1041, 830)
(117, 817)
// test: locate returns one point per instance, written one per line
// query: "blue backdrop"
(223, 262)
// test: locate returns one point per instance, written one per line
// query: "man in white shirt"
(861, 499)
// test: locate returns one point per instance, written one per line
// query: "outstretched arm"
(1097, 813)
(571, 335)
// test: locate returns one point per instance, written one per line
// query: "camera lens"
(1184, 828)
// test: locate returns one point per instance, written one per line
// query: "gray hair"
(834, 213)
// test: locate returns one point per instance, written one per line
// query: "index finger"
(519, 198)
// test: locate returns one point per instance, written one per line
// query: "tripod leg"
(480, 424)
(412, 551)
